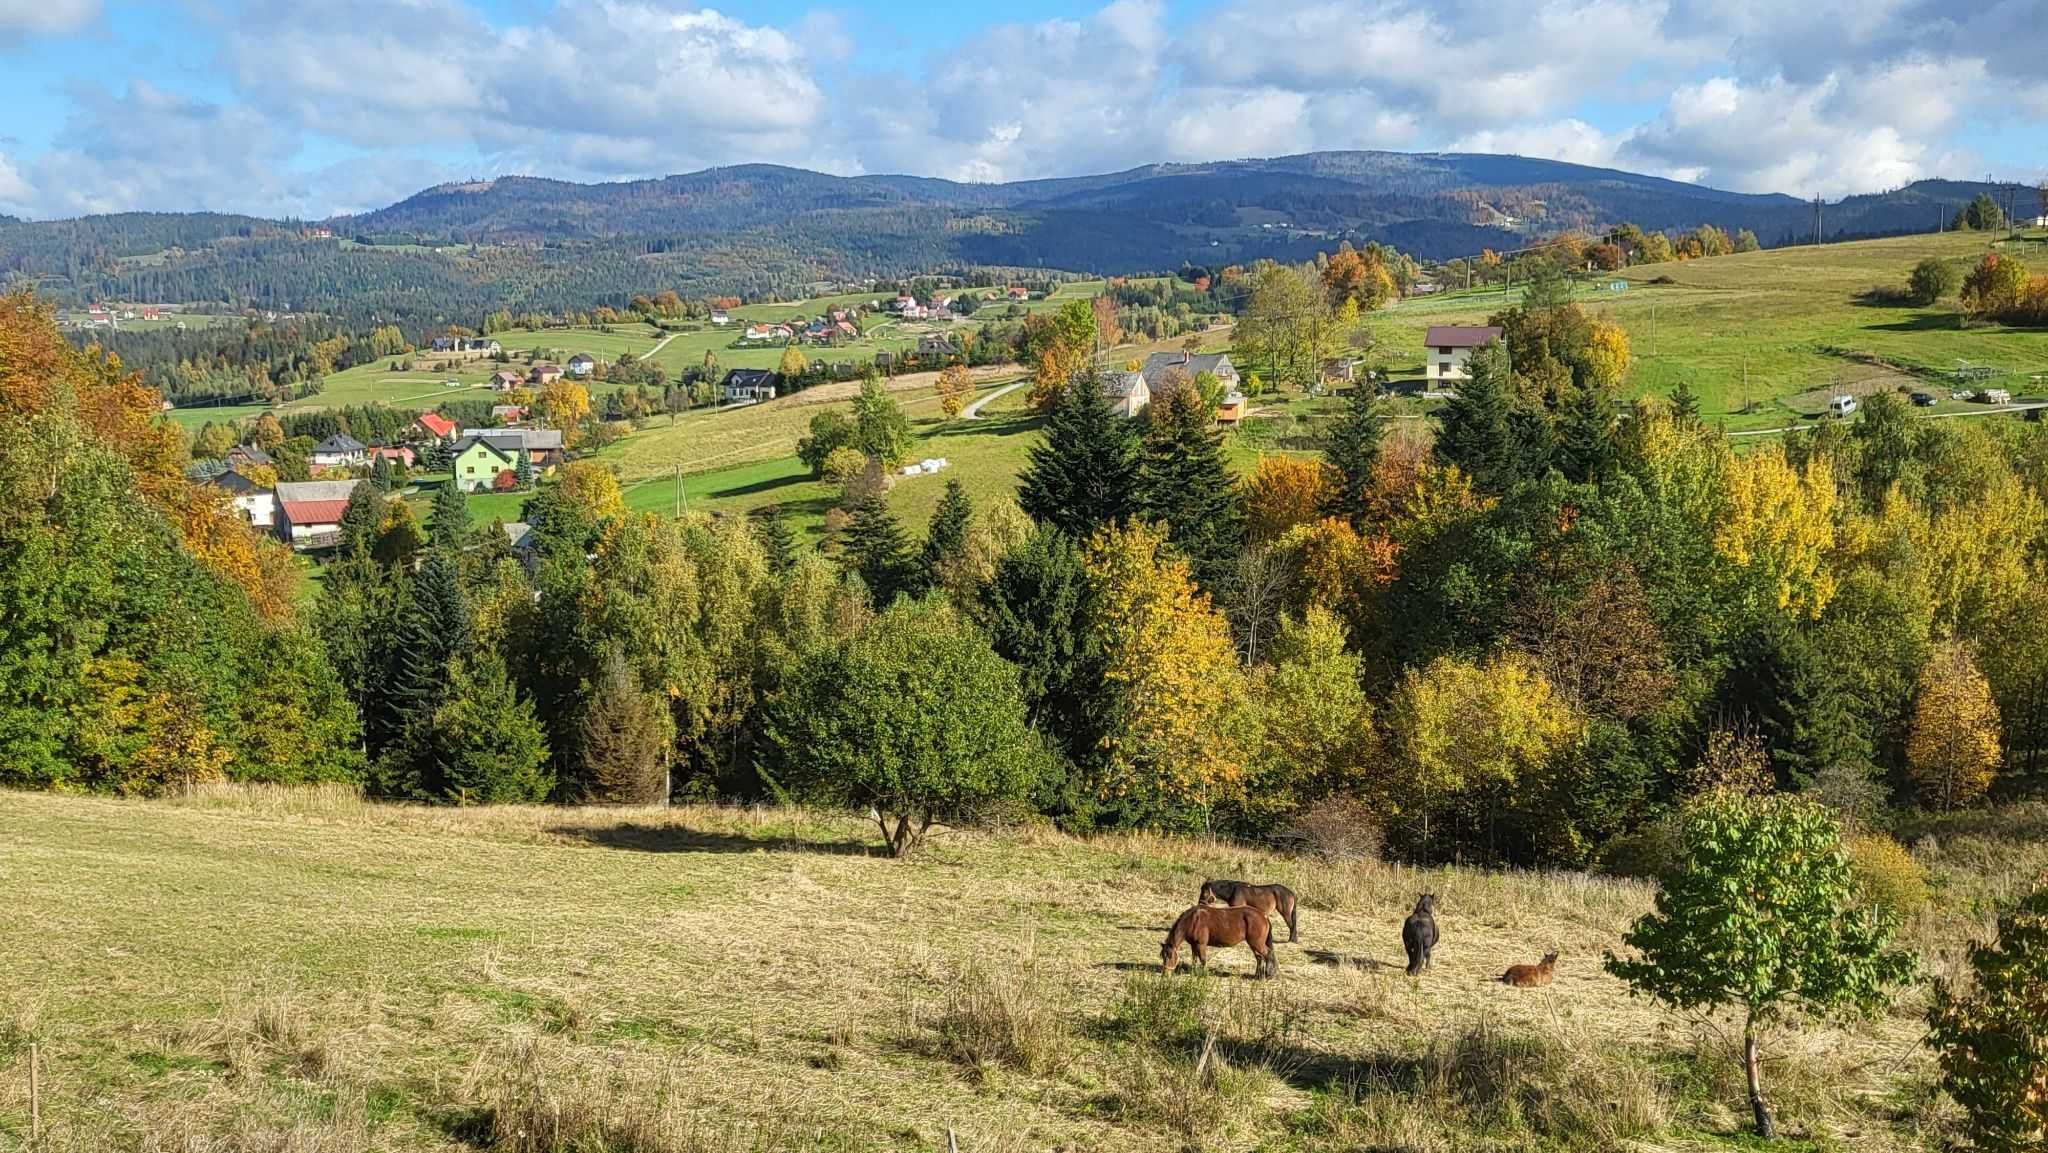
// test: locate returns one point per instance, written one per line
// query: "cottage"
(435, 427)
(1128, 393)
(1448, 348)
(340, 451)
(309, 513)
(938, 345)
(399, 455)
(508, 414)
(544, 374)
(487, 346)
(720, 317)
(445, 344)
(1160, 365)
(1018, 292)
(1231, 410)
(257, 504)
(505, 380)
(248, 456)
(581, 365)
(749, 385)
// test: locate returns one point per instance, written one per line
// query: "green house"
(478, 461)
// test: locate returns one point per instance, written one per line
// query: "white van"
(1842, 405)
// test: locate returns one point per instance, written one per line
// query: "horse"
(1418, 934)
(1272, 900)
(1206, 925)
(1531, 976)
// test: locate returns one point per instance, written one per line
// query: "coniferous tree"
(1185, 482)
(1585, 436)
(1038, 610)
(1084, 475)
(1685, 404)
(776, 541)
(625, 737)
(947, 534)
(874, 546)
(488, 746)
(362, 521)
(1353, 452)
(383, 476)
(450, 527)
(1473, 429)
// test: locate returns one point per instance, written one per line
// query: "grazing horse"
(1418, 934)
(1530, 976)
(1272, 900)
(1206, 925)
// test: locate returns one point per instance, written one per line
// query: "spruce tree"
(1473, 430)
(1585, 436)
(1685, 404)
(1084, 474)
(450, 527)
(1185, 482)
(362, 521)
(625, 737)
(488, 746)
(1038, 612)
(523, 471)
(947, 534)
(776, 541)
(875, 547)
(1353, 453)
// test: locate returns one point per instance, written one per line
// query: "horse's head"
(1426, 904)
(1208, 894)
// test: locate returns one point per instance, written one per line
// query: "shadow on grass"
(673, 839)
(1336, 960)
(990, 424)
(768, 485)
(1922, 322)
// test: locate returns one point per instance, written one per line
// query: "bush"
(1337, 828)
(1010, 1017)
(1930, 280)
(1645, 854)
(1993, 1037)
(1886, 875)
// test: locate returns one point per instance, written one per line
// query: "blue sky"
(313, 108)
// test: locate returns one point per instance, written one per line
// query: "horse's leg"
(1201, 955)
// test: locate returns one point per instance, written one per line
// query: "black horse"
(1418, 934)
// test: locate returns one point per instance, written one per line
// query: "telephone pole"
(1816, 218)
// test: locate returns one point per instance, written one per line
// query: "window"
(469, 470)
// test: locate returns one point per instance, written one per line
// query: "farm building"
(309, 513)
(748, 384)
(258, 505)
(1128, 393)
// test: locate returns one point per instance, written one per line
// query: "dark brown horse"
(1206, 925)
(1275, 901)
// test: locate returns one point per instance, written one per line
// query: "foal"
(1205, 925)
(1531, 976)
(1272, 900)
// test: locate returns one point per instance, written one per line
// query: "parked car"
(1923, 400)
(1842, 405)
(1995, 396)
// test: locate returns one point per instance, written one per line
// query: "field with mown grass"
(275, 970)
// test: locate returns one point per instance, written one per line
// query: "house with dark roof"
(1447, 348)
(748, 385)
(938, 344)
(340, 451)
(505, 380)
(249, 456)
(1217, 364)
(479, 459)
(309, 513)
(544, 374)
(256, 504)
(581, 365)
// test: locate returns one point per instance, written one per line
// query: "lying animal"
(1418, 934)
(1206, 925)
(1272, 900)
(1530, 976)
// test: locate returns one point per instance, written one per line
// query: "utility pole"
(1816, 218)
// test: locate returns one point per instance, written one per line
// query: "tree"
(1884, 431)
(1317, 720)
(1352, 455)
(1685, 404)
(1745, 241)
(1038, 608)
(268, 433)
(946, 537)
(1981, 214)
(488, 747)
(625, 733)
(875, 548)
(1473, 430)
(1953, 751)
(792, 366)
(1761, 915)
(778, 544)
(830, 430)
(450, 527)
(914, 718)
(1185, 483)
(1084, 474)
(1994, 286)
(383, 475)
(564, 404)
(361, 521)
(591, 488)
(1992, 1036)
(1057, 347)
(879, 427)
(955, 385)
(1930, 280)
(1282, 492)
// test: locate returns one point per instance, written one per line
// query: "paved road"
(973, 411)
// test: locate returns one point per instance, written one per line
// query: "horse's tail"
(1288, 906)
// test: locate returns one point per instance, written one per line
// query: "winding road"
(973, 411)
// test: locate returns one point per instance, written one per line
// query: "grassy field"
(275, 971)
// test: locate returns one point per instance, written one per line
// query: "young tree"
(1084, 474)
(1992, 1036)
(450, 528)
(1953, 749)
(1473, 429)
(1282, 492)
(626, 733)
(778, 544)
(1185, 483)
(915, 719)
(1761, 915)
(875, 547)
(488, 747)
(792, 366)
(879, 427)
(1317, 720)
(1352, 456)
(830, 430)
(1931, 279)
(955, 386)
(946, 537)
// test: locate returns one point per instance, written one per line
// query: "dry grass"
(296, 971)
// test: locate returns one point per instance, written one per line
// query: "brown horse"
(1531, 976)
(1272, 900)
(1206, 925)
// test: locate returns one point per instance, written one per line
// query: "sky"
(327, 106)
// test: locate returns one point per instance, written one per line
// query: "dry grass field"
(295, 972)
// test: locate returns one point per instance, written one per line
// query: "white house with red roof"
(309, 513)
(437, 426)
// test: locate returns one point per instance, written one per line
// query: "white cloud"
(45, 17)
(1570, 139)
(15, 193)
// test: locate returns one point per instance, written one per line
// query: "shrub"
(1009, 1017)
(1644, 854)
(1992, 1038)
(1337, 828)
(1930, 280)
(1886, 875)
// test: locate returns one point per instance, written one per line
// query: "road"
(973, 411)
(2001, 409)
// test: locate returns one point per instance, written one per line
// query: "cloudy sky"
(335, 105)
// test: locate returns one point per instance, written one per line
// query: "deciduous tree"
(1953, 749)
(1992, 1034)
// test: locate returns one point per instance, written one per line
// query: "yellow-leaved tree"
(1952, 750)
(1179, 728)
(1606, 358)
(1776, 527)
(564, 404)
(955, 385)
(1973, 555)
(1282, 492)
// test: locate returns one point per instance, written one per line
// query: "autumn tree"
(1057, 346)
(955, 387)
(1994, 286)
(879, 427)
(1761, 915)
(1953, 749)
(1992, 1034)
(1282, 492)
(1316, 718)
(830, 430)
(591, 488)
(792, 366)
(564, 404)
(626, 735)
(1776, 530)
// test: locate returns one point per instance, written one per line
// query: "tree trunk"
(1752, 1069)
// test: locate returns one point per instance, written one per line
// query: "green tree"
(1473, 429)
(879, 427)
(1992, 1035)
(1548, 288)
(488, 746)
(1084, 474)
(1352, 454)
(1884, 435)
(1981, 214)
(1930, 280)
(626, 734)
(915, 718)
(1745, 241)
(778, 544)
(362, 521)
(947, 535)
(383, 475)
(1318, 722)
(450, 527)
(1038, 608)
(1185, 483)
(830, 430)
(1685, 404)
(1586, 427)
(874, 547)
(1761, 915)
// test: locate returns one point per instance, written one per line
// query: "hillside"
(456, 250)
(303, 971)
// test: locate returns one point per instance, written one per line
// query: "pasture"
(278, 970)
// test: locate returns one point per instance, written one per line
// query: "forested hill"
(457, 249)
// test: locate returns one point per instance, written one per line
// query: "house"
(1342, 369)
(903, 303)
(1231, 410)
(340, 451)
(581, 365)
(445, 344)
(885, 360)
(1127, 391)
(309, 513)
(937, 345)
(719, 317)
(400, 455)
(1447, 348)
(1018, 292)
(487, 346)
(505, 380)
(1217, 364)
(544, 374)
(479, 460)
(749, 384)
(258, 505)
(508, 414)
(846, 329)
(247, 456)
(435, 426)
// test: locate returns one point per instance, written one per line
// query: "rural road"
(659, 345)
(2027, 406)
(973, 411)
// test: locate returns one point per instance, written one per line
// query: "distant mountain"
(455, 249)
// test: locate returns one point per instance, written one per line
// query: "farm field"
(300, 970)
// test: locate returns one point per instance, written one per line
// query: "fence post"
(952, 1146)
(35, 1093)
